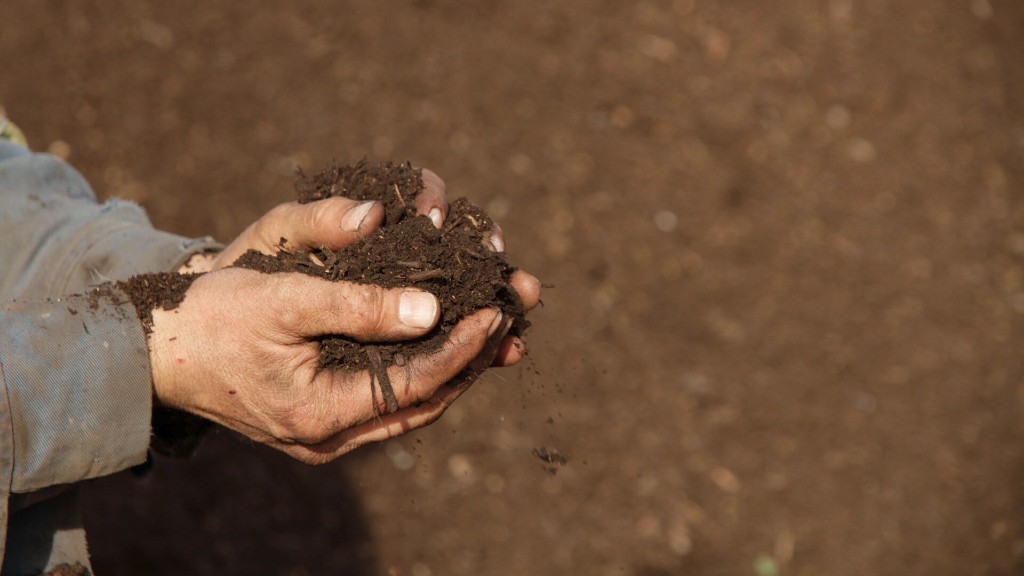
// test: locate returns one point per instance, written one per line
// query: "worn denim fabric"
(74, 370)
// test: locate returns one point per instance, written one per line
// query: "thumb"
(332, 222)
(313, 307)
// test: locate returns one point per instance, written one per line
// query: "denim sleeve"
(76, 376)
(76, 392)
(55, 239)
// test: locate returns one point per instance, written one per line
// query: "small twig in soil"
(426, 275)
(377, 369)
(453, 223)
(315, 260)
(471, 253)
(399, 194)
(332, 258)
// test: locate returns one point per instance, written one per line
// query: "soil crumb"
(164, 290)
(551, 458)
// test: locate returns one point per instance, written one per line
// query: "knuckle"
(370, 312)
(281, 298)
(298, 421)
(324, 218)
(430, 178)
(421, 384)
(272, 226)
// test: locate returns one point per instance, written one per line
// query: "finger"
(511, 350)
(528, 288)
(494, 239)
(333, 222)
(429, 409)
(308, 307)
(382, 427)
(394, 425)
(378, 430)
(419, 377)
(432, 201)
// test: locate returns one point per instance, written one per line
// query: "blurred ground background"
(785, 238)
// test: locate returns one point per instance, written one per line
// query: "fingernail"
(417, 309)
(353, 219)
(495, 243)
(495, 324)
(436, 218)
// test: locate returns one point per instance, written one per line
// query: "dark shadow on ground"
(231, 509)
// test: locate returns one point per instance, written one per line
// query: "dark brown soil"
(454, 263)
(147, 292)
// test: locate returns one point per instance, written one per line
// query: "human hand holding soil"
(254, 365)
(337, 222)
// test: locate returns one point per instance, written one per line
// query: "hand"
(337, 222)
(241, 350)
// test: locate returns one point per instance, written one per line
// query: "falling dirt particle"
(552, 459)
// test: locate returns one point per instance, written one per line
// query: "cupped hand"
(242, 350)
(332, 222)
(337, 222)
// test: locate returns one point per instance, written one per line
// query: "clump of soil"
(453, 263)
(164, 290)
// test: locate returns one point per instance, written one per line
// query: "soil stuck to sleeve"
(454, 263)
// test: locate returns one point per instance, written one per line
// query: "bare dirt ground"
(785, 237)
